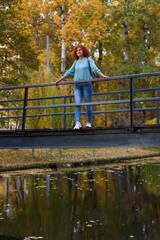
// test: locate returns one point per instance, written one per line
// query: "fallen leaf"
(89, 225)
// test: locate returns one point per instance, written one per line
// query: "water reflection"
(109, 203)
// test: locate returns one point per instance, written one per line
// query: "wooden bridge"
(131, 135)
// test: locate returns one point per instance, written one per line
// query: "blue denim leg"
(78, 99)
(87, 93)
(81, 90)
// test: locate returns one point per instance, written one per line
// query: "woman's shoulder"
(74, 63)
(90, 59)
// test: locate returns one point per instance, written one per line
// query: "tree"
(16, 45)
(136, 24)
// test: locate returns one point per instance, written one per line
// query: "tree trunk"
(126, 42)
(100, 54)
(143, 39)
(63, 47)
(120, 120)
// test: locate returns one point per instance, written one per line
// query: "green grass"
(9, 157)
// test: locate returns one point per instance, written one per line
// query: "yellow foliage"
(152, 121)
(85, 24)
(38, 77)
(92, 22)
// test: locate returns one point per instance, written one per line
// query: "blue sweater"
(80, 69)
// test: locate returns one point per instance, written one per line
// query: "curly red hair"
(85, 49)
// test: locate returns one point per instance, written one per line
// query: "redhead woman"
(81, 71)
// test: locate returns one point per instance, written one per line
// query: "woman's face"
(79, 52)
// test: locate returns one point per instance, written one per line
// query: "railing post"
(105, 119)
(157, 104)
(24, 109)
(64, 113)
(131, 106)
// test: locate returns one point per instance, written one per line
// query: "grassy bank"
(28, 158)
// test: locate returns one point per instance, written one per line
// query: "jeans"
(81, 90)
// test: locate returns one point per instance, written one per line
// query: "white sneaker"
(78, 125)
(88, 125)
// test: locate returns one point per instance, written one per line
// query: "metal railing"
(130, 101)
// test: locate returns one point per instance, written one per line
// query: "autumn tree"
(135, 27)
(123, 36)
(17, 51)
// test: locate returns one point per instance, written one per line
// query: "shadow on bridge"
(131, 135)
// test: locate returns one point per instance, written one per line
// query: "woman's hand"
(57, 82)
(104, 76)
(62, 78)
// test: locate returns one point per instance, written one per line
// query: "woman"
(81, 71)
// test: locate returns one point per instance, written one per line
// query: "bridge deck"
(142, 136)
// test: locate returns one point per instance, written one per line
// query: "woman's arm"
(61, 79)
(95, 69)
(70, 72)
(103, 76)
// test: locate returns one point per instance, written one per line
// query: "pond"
(119, 202)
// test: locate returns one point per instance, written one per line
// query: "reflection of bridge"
(130, 135)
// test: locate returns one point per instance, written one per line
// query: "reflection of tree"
(19, 191)
(7, 187)
(91, 185)
(4, 237)
(35, 207)
(81, 205)
(48, 186)
(72, 186)
(134, 203)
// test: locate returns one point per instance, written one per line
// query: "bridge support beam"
(85, 138)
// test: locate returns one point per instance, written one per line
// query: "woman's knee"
(89, 109)
(78, 95)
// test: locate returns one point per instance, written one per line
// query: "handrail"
(94, 112)
(151, 99)
(84, 81)
(131, 101)
(70, 96)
